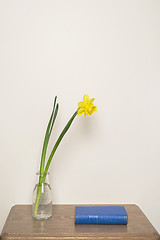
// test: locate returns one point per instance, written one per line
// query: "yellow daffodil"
(87, 107)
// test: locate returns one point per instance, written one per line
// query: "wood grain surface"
(20, 225)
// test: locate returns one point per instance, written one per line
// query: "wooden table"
(21, 226)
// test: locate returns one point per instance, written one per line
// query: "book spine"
(113, 220)
(101, 220)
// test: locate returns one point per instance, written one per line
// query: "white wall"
(107, 49)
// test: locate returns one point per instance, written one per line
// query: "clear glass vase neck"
(43, 176)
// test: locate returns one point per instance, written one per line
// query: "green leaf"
(47, 135)
(53, 120)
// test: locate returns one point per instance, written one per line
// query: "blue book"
(101, 215)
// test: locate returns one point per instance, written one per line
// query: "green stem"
(45, 144)
(58, 142)
(38, 196)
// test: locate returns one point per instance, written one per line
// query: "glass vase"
(42, 198)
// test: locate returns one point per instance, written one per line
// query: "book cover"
(100, 215)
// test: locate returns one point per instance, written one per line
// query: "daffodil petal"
(85, 98)
(80, 104)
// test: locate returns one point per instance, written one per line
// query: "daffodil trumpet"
(87, 107)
